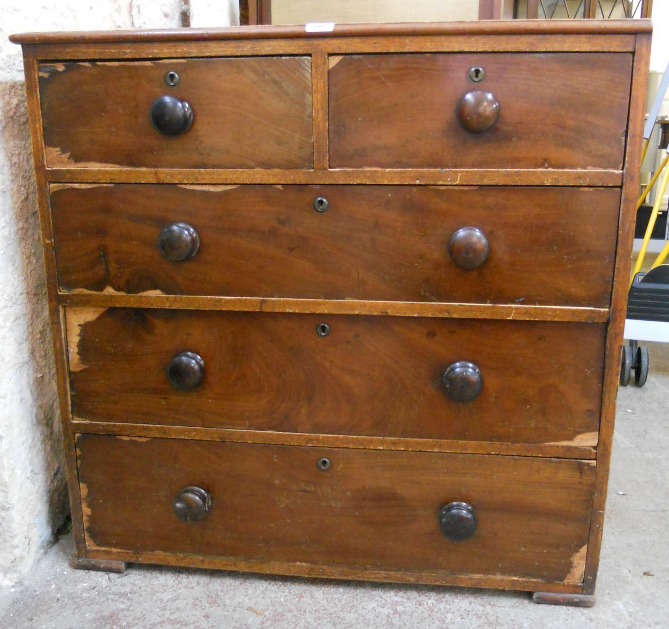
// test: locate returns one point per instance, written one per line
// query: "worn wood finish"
(269, 241)
(335, 572)
(347, 306)
(109, 123)
(370, 387)
(180, 37)
(619, 303)
(575, 42)
(57, 327)
(552, 114)
(567, 450)
(451, 177)
(273, 503)
(369, 376)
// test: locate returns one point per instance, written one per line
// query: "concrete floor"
(632, 591)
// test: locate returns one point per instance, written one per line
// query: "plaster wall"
(33, 496)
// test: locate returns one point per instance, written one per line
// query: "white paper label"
(319, 27)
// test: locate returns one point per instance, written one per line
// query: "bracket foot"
(556, 598)
(101, 565)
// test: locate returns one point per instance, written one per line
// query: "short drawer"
(372, 511)
(504, 245)
(544, 110)
(246, 113)
(519, 382)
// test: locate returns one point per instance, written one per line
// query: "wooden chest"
(345, 304)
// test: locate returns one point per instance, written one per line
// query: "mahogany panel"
(399, 111)
(368, 511)
(248, 113)
(386, 243)
(370, 376)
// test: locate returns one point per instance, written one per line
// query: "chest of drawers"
(345, 304)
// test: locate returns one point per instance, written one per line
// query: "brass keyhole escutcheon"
(322, 329)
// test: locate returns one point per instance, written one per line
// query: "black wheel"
(641, 366)
(626, 365)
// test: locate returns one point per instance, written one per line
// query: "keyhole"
(321, 204)
(324, 464)
(172, 78)
(322, 329)
(477, 74)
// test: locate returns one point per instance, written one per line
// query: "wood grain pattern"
(319, 72)
(269, 242)
(373, 376)
(108, 122)
(272, 503)
(552, 114)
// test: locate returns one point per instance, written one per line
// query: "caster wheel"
(627, 358)
(641, 366)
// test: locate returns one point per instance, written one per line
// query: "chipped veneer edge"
(590, 439)
(75, 319)
(56, 187)
(56, 158)
(577, 572)
(333, 60)
(209, 188)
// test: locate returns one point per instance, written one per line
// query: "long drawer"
(497, 110)
(544, 246)
(423, 513)
(520, 382)
(253, 112)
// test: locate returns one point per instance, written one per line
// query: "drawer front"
(370, 510)
(554, 110)
(379, 376)
(545, 246)
(246, 113)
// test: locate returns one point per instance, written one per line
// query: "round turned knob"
(457, 521)
(171, 116)
(462, 381)
(468, 248)
(178, 242)
(478, 111)
(186, 371)
(192, 504)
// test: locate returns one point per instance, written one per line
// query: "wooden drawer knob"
(478, 111)
(192, 504)
(186, 371)
(171, 116)
(457, 521)
(462, 381)
(178, 242)
(468, 248)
